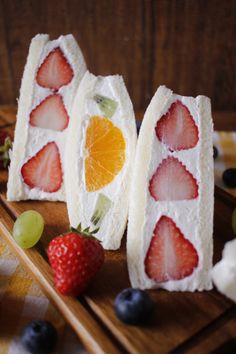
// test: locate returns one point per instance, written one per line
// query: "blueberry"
(229, 177)
(133, 306)
(215, 152)
(138, 125)
(39, 337)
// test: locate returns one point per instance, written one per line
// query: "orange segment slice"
(105, 147)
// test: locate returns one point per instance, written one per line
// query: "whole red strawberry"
(5, 146)
(75, 258)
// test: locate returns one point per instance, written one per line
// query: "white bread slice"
(193, 217)
(80, 202)
(29, 140)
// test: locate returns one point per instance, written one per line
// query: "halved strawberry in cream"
(172, 181)
(50, 114)
(169, 236)
(177, 128)
(170, 255)
(44, 170)
(55, 71)
(52, 74)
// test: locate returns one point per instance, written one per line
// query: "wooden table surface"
(182, 323)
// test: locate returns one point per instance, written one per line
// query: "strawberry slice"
(50, 114)
(44, 170)
(55, 71)
(172, 181)
(170, 255)
(177, 128)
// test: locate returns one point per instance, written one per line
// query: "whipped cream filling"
(39, 137)
(184, 213)
(104, 87)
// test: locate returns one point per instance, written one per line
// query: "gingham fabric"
(21, 300)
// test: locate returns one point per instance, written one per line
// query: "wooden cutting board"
(182, 322)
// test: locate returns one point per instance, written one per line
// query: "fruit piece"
(102, 206)
(75, 258)
(44, 170)
(105, 147)
(170, 255)
(28, 228)
(215, 152)
(50, 114)
(177, 128)
(229, 252)
(39, 337)
(223, 276)
(133, 306)
(55, 71)
(172, 181)
(5, 146)
(224, 272)
(229, 177)
(106, 105)
(234, 222)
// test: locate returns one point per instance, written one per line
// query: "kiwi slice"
(106, 105)
(102, 206)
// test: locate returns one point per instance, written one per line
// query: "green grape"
(234, 221)
(28, 228)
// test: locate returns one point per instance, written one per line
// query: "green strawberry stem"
(86, 232)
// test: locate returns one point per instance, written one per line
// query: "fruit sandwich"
(52, 73)
(98, 168)
(169, 240)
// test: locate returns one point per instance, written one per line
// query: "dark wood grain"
(180, 322)
(7, 94)
(220, 338)
(224, 121)
(188, 45)
(7, 115)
